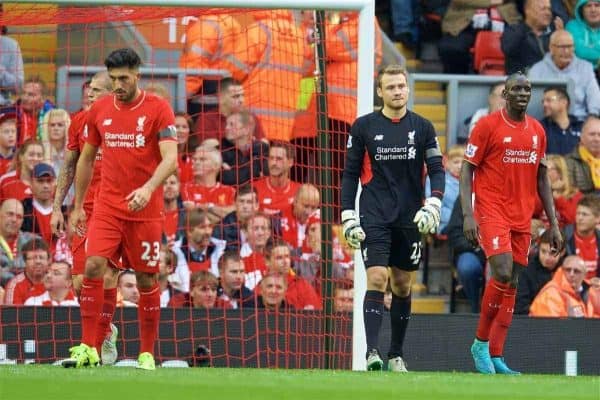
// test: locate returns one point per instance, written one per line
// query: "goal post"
(364, 98)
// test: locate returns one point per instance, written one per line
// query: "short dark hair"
(276, 243)
(591, 201)
(226, 83)
(392, 69)
(35, 244)
(120, 58)
(560, 92)
(196, 217)
(229, 255)
(246, 189)
(287, 146)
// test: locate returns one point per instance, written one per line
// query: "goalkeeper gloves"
(353, 233)
(428, 217)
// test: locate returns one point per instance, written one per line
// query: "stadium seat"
(488, 58)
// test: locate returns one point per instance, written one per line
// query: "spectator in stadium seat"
(405, 17)
(468, 259)
(160, 90)
(167, 280)
(210, 125)
(343, 298)
(273, 39)
(495, 102)
(539, 271)
(8, 138)
(203, 293)
(583, 237)
(55, 125)
(258, 233)
(561, 63)
(11, 67)
(12, 239)
(229, 229)
(273, 288)
(59, 288)
(452, 164)
(175, 218)
(32, 108)
(232, 286)
(568, 294)
(244, 158)
(30, 282)
(562, 130)
(197, 250)
(585, 29)
(205, 191)
(460, 25)
(526, 42)
(128, 294)
(583, 161)
(185, 147)
(294, 218)
(299, 294)
(276, 192)
(38, 208)
(16, 184)
(566, 196)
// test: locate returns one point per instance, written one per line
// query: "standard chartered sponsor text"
(119, 139)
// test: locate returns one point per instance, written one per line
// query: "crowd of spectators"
(242, 222)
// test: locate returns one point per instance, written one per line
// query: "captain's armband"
(168, 132)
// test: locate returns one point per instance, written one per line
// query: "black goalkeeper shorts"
(392, 247)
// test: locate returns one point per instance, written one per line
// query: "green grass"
(25, 382)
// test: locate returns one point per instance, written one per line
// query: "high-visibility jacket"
(268, 60)
(207, 43)
(558, 299)
(341, 44)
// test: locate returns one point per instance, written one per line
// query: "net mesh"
(187, 53)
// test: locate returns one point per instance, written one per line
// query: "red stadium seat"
(488, 58)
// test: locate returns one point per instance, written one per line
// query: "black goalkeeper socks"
(400, 315)
(372, 312)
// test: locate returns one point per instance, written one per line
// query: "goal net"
(264, 99)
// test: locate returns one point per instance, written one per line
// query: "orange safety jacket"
(341, 44)
(208, 42)
(268, 60)
(558, 299)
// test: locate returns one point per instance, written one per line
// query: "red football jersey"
(274, 200)
(20, 288)
(129, 136)
(75, 142)
(42, 216)
(170, 227)
(587, 249)
(5, 163)
(218, 195)
(12, 187)
(507, 155)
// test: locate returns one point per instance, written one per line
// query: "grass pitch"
(44, 382)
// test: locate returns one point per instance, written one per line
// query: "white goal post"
(366, 71)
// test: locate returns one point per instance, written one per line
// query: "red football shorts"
(136, 242)
(497, 238)
(78, 252)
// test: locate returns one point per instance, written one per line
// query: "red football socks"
(106, 316)
(149, 316)
(490, 305)
(91, 300)
(502, 323)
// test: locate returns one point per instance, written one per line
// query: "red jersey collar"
(130, 106)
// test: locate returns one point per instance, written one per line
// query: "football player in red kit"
(136, 131)
(505, 170)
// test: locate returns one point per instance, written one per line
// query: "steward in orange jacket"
(268, 61)
(208, 42)
(558, 299)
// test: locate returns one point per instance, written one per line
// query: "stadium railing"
(465, 94)
(70, 78)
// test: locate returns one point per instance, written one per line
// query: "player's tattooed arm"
(65, 178)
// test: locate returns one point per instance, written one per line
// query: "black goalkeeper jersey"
(389, 157)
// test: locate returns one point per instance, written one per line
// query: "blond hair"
(53, 113)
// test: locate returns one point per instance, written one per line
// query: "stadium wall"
(296, 340)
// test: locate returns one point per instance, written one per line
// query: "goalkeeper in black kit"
(388, 150)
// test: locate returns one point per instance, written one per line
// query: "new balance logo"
(507, 139)
(107, 122)
(378, 137)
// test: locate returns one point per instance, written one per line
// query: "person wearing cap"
(16, 184)
(8, 138)
(38, 208)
